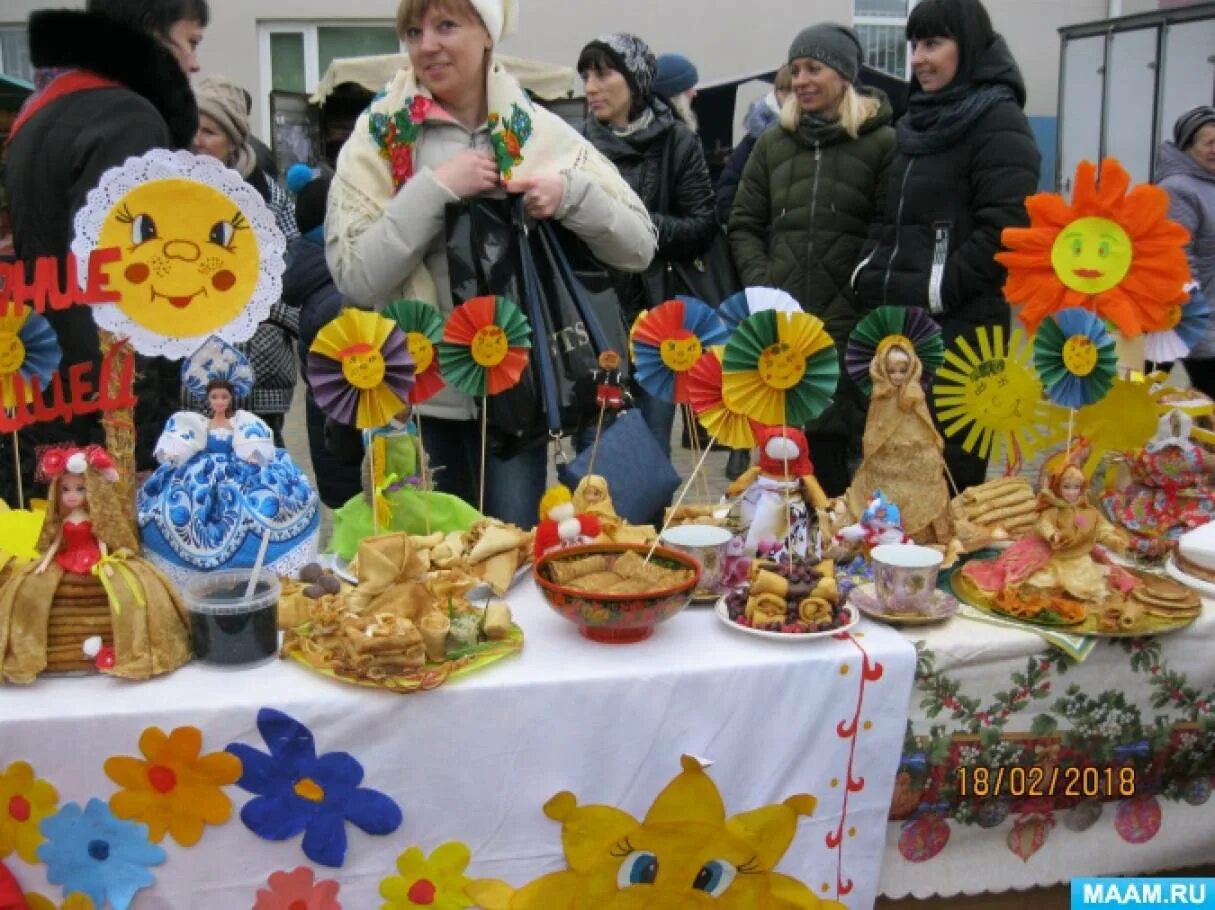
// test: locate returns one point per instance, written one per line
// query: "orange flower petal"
(184, 744)
(152, 743)
(127, 772)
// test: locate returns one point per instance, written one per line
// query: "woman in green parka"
(808, 194)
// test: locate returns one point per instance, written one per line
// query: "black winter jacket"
(945, 211)
(60, 153)
(308, 288)
(663, 159)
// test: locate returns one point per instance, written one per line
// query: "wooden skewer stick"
(679, 499)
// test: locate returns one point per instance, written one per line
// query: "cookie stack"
(81, 610)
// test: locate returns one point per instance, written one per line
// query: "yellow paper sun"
(685, 853)
(1125, 420)
(995, 396)
(1109, 251)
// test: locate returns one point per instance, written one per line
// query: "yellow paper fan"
(1125, 420)
(995, 396)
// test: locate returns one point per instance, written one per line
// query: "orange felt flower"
(1110, 251)
(24, 802)
(77, 900)
(173, 788)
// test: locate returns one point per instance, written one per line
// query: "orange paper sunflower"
(729, 426)
(485, 346)
(173, 789)
(1110, 251)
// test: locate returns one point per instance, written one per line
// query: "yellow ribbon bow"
(105, 569)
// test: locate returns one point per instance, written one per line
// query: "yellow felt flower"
(24, 802)
(77, 900)
(436, 882)
(175, 790)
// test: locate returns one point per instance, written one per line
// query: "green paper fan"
(423, 328)
(911, 323)
(485, 346)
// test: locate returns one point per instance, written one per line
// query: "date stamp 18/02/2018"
(1037, 781)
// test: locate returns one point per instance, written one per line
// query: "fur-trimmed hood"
(89, 41)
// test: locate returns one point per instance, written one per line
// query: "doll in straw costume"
(85, 534)
(902, 450)
(222, 484)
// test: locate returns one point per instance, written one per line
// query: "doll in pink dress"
(86, 534)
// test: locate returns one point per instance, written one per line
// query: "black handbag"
(711, 276)
(567, 296)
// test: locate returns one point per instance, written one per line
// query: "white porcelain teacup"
(905, 577)
(707, 544)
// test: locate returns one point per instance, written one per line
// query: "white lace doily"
(161, 164)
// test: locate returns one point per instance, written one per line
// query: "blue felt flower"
(296, 790)
(97, 854)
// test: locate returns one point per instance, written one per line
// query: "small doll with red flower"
(89, 558)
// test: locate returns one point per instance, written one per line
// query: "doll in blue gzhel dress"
(222, 485)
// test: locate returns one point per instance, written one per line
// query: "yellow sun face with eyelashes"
(189, 258)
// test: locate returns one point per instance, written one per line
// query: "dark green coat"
(803, 213)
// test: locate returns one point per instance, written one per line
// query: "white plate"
(723, 613)
(1202, 587)
(337, 566)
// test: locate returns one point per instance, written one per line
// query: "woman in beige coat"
(454, 126)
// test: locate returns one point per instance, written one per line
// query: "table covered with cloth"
(1023, 767)
(474, 761)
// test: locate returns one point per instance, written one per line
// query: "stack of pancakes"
(80, 610)
(1167, 599)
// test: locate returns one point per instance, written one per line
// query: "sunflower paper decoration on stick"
(360, 369)
(1188, 325)
(737, 307)
(911, 326)
(1076, 358)
(423, 328)
(668, 340)
(994, 396)
(780, 368)
(485, 346)
(1110, 251)
(725, 424)
(29, 349)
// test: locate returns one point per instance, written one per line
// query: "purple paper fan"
(339, 399)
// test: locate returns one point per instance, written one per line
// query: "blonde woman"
(807, 196)
(452, 127)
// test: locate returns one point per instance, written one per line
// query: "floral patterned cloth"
(217, 492)
(1169, 494)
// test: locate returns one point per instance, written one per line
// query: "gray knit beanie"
(223, 101)
(1188, 124)
(835, 45)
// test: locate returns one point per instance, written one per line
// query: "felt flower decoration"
(173, 789)
(1075, 357)
(25, 800)
(737, 307)
(297, 791)
(1109, 250)
(780, 368)
(668, 340)
(76, 901)
(10, 891)
(216, 359)
(910, 326)
(485, 346)
(360, 369)
(423, 328)
(728, 426)
(29, 349)
(93, 852)
(990, 392)
(298, 890)
(1188, 324)
(436, 881)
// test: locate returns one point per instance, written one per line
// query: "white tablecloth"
(476, 759)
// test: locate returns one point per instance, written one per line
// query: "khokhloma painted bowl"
(616, 618)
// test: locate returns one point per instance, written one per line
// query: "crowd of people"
(827, 197)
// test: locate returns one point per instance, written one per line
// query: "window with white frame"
(15, 52)
(880, 24)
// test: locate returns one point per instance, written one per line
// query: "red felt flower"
(99, 459)
(53, 463)
(298, 890)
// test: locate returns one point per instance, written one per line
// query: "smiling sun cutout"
(684, 855)
(1110, 251)
(200, 252)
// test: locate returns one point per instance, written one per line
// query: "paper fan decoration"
(737, 307)
(199, 251)
(216, 359)
(910, 325)
(1109, 251)
(423, 328)
(485, 346)
(728, 426)
(780, 368)
(994, 396)
(668, 340)
(1125, 420)
(29, 348)
(1075, 357)
(360, 369)
(1191, 323)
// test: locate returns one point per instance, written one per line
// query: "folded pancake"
(566, 570)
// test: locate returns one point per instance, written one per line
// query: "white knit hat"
(500, 16)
